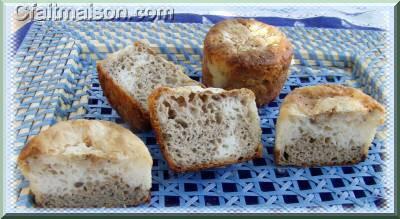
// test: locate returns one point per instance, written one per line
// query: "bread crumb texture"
(206, 127)
(326, 125)
(87, 163)
(138, 70)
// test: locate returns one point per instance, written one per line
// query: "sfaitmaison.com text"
(54, 12)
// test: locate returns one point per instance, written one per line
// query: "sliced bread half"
(87, 163)
(128, 76)
(200, 128)
(326, 125)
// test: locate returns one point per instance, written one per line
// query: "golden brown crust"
(304, 101)
(262, 69)
(127, 107)
(110, 140)
(206, 78)
(148, 49)
(152, 102)
(216, 45)
(305, 97)
(278, 155)
(333, 90)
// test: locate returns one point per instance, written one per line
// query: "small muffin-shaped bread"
(87, 163)
(202, 128)
(245, 53)
(326, 125)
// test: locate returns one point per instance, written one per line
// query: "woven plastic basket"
(57, 80)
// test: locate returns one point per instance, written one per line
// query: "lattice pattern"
(64, 61)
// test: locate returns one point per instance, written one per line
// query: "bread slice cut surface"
(201, 128)
(87, 163)
(128, 76)
(326, 125)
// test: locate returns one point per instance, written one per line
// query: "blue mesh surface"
(321, 56)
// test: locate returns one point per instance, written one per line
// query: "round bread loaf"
(245, 53)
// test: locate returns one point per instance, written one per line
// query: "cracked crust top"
(320, 99)
(104, 140)
(245, 53)
(247, 42)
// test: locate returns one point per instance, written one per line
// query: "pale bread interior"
(206, 126)
(326, 125)
(139, 72)
(87, 163)
(336, 139)
(72, 180)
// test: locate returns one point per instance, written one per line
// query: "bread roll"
(87, 163)
(326, 125)
(202, 128)
(128, 76)
(245, 53)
